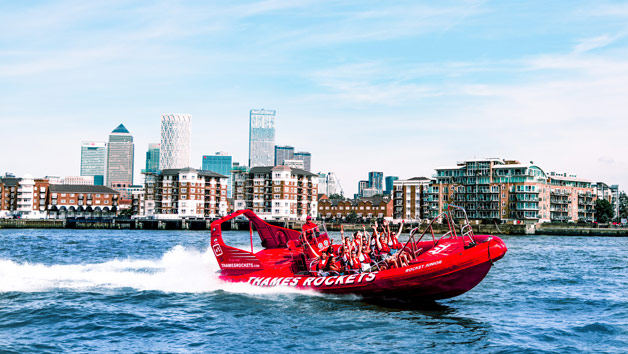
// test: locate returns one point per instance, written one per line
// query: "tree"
(623, 206)
(336, 196)
(352, 217)
(603, 211)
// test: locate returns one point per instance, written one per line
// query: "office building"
(152, 158)
(322, 183)
(283, 153)
(220, 163)
(376, 181)
(261, 137)
(388, 181)
(277, 193)
(94, 160)
(362, 185)
(300, 164)
(175, 141)
(306, 157)
(120, 154)
(72, 180)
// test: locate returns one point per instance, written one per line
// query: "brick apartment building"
(65, 201)
(184, 193)
(366, 208)
(36, 198)
(278, 192)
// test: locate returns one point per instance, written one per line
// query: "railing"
(465, 230)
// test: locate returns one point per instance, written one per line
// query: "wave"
(179, 270)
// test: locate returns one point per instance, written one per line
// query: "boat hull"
(436, 277)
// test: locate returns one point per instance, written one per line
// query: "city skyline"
(411, 86)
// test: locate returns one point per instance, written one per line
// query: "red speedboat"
(438, 268)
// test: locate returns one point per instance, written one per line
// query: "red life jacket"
(309, 228)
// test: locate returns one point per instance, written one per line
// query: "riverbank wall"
(199, 224)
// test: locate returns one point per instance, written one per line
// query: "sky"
(400, 87)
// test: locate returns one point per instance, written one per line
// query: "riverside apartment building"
(495, 189)
(276, 192)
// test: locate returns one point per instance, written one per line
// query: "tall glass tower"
(175, 141)
(219, 163)
(261, 137)
(376, 181)
(283, 153)
(94, 160)
(152, 158)
(389, 184)
(120, 157)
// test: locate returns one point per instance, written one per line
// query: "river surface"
(99, 291)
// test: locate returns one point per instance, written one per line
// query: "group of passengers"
(363, 252)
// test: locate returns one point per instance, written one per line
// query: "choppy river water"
(157, 291)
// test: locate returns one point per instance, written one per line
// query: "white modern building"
(262, 138)
(28, 197)
(294, 164)
(175, 141)
(73, 180)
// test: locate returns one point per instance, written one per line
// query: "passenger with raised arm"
(382, 248)
(363, 256)
(354, 262)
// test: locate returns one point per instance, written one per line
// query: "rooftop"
(121, 129)
(268, 169)
(176, 171)
(73, 188)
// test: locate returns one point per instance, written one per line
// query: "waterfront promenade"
(563, 229)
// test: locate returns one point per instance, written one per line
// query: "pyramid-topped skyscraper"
(120, 154)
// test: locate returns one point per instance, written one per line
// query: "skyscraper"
(362, 185)
(376, 180)
(152, 158)
(93, 160)
(175, 141)
(389, 184)
(220, 163)
(306, 157)
(261, 137)
(283, 153)
(120, 157)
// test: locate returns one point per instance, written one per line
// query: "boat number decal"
(439, 249)
(320, 245)
(325, 243)
(313, 281)
(423, 266)
(217, 250)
